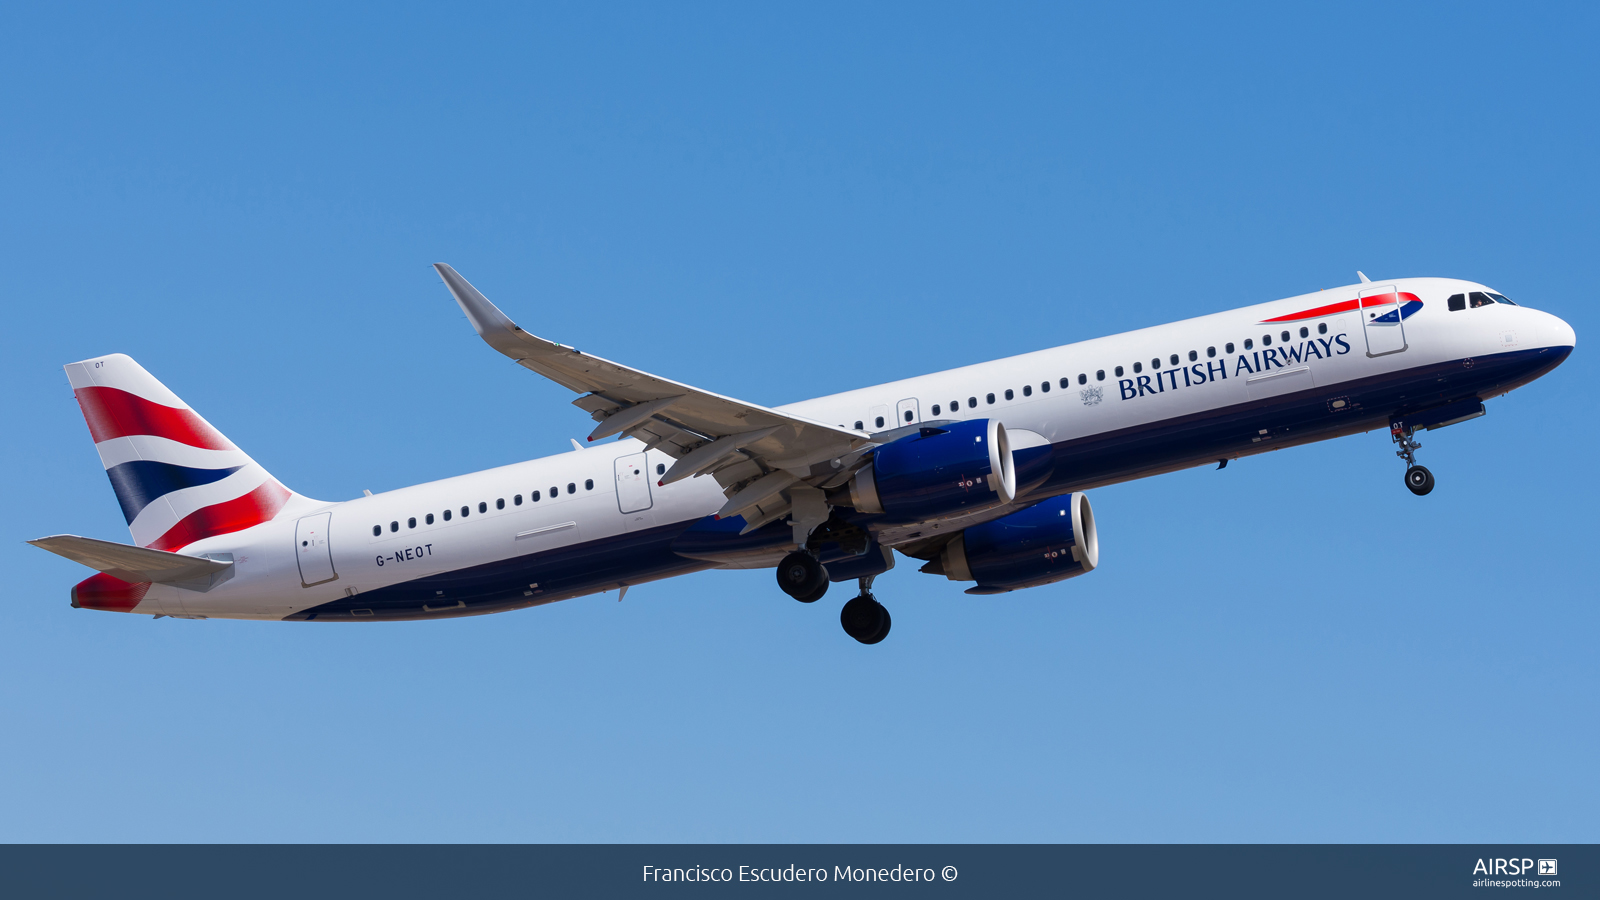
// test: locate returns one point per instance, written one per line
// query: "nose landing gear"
(1419, 480)
(864, 618)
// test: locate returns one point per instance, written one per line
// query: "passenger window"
(1247, 345)
(1155, 363)
(1137, 368)
(1027, 390)
(588, 484)
(411, 522)
(972, 403)
(990, 398)
(1082, 378)
(1119, 371)
(1305, 332)
(534, 496)
(572, 488)
(429, 519)
(1229, 348)
(516, 500)
(500, 503)
(880, 421)
(1457, 302)
(1501, 298)
(1266, 340)
(908, 415)
(1044, 386)
(554, 491)
(1009, 395)
(1322, 328)
(1193, 356)
(447, 515)
(661, 468)
(377, 530)
(483, 507)
(1100, 375)
(1174, 357)
(1212, 352)
(1480, 299)
(859, 423)
(1284, 337)
(936, 409)
(1067, 381)
(394, 526)
(466, 511)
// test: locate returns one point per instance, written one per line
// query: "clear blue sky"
(776, 205)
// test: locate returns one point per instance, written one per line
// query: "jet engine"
(957, 468)
(1047, 542)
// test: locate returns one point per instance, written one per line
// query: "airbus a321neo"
(979, 472)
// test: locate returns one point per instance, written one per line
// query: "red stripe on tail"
(113, 413)
(229, 516)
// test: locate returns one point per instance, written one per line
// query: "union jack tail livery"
(177, 478)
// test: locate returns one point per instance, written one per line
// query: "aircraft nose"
(1559, 334)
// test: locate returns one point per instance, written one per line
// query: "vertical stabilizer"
(178, 479)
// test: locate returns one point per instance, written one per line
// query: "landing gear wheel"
(865, 619)
(1419, 480)
(815, 595)
(802, 577)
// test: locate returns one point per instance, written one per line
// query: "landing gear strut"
(803, 577)
(864, 618)
(1418, 479)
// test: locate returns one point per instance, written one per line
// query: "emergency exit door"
(633, 483)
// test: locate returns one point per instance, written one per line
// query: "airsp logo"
(1512, 867)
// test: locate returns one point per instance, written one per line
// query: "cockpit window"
(1501, 298)
(1457, 302)
(1479, 298)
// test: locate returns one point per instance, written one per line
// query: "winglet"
(494, 326)
(1360, 274)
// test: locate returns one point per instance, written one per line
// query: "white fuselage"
(1058, 394)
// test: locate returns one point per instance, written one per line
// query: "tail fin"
(177, 478)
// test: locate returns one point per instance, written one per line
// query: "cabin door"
(1380, 319)
(313, 550)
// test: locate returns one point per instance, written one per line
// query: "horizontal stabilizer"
(134, 565)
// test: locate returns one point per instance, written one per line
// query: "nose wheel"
(1419, 480)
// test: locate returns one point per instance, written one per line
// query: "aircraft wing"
(759, 455)
(129, 563)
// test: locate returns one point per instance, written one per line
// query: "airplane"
(978, 472)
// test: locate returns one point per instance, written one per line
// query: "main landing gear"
(864, 618)
(1418, 479)
(804, 578)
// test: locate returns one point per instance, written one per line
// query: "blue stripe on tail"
(142, 481)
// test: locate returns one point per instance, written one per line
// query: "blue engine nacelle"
(1048, 542)
(953, 469)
